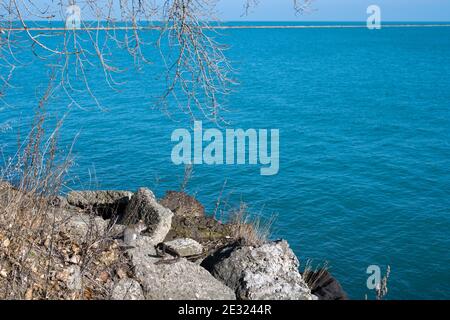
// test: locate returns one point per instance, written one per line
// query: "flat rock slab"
(85, 199)
(185, 247)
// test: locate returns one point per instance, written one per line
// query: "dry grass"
(38, 258)
(244, 224)
(312, 275)
(188, 172)
(250, 227)
(382, 288)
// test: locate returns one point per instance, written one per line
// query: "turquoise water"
(364, 120)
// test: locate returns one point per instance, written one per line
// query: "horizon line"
(340, 26)
(258, 21)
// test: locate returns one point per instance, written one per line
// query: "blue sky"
(332, 10)
(340, 10)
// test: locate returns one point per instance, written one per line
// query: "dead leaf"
(121, 273)
(104, 276)
(88, 295)
(29, 294)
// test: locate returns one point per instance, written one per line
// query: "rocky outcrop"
(185, 247)
(182, 204)
(137, 271)
(143, 206)
(267, 272)
(325, 286)
(105, 203)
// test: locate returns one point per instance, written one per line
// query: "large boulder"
(266, 272)
(210, 233)
(105, 202)
(82, 227)
(143, 206)
(182, 204)
(180, 280)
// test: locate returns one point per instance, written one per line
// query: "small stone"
(75, 259)
(48, 242)
(185, 247)
(74, 279)
(3, 273)
(34, 268)
(6, 243)
(127, 289)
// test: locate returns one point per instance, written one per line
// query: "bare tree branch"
(197, 73)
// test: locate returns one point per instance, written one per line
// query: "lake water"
(364, 120)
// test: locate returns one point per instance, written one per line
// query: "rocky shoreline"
(179, 254)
